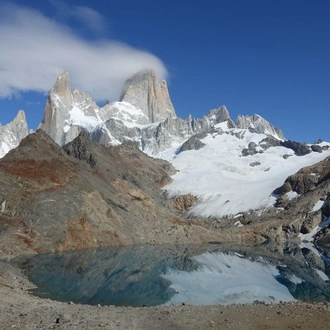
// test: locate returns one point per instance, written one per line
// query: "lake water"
(149, 275)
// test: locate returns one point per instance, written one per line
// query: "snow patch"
(291, 195)
(238, 224)
(295, 279)
(318, 206)
(323, 276)
(310, 236)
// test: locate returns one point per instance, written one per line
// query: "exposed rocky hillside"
(87, 195)
(305, 198)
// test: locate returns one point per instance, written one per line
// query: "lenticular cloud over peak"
(37, 49)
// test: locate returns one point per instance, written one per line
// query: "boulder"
(193, 143)
(316, 148)
(300, 149)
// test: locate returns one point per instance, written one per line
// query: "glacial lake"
(150, 275)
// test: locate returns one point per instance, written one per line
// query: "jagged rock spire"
(12, 133)
(56, 112)
(259, 125)
(59, 103)
(145, 92)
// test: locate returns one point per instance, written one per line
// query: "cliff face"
(259, 125)
(145, 92)
(64, 110)
(58, 105)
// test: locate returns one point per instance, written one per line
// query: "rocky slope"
(306, 197)
(12, 133)
(86, 195)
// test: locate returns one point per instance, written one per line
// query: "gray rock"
(322, 238)
(58, 105)
(250, 150)
(300, 149)
(310, 222)
(326, 208)
(193, 143)
(64, 318)
(259, 125)
(269, 142)
(316, 148)
(219, 115)
(145, 92)
(13, 133)
(154, 138)
(253, 164)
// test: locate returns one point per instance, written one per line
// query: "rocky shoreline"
(20, 310)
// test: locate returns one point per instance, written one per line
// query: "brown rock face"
(312, 183)
(182, 203)
(308, 178)
(145, 92)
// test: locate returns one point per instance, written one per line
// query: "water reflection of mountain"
(303, 269)
(138, 275)
(119, 276)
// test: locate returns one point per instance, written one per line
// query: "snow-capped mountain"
(144, 114)
(234, 171)
(144, 100)
(231, 167)
(12, 133)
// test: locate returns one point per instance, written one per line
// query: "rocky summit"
(13, 133)
(145, 92)
(144, 114)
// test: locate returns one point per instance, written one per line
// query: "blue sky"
(256, 56)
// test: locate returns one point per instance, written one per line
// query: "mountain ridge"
(144, 113)
(12, 133)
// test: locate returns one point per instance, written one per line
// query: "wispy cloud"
(36, 48)
(85, 15)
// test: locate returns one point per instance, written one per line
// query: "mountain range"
(200, 180)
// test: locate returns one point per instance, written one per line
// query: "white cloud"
(35, 49)
(87, 16)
